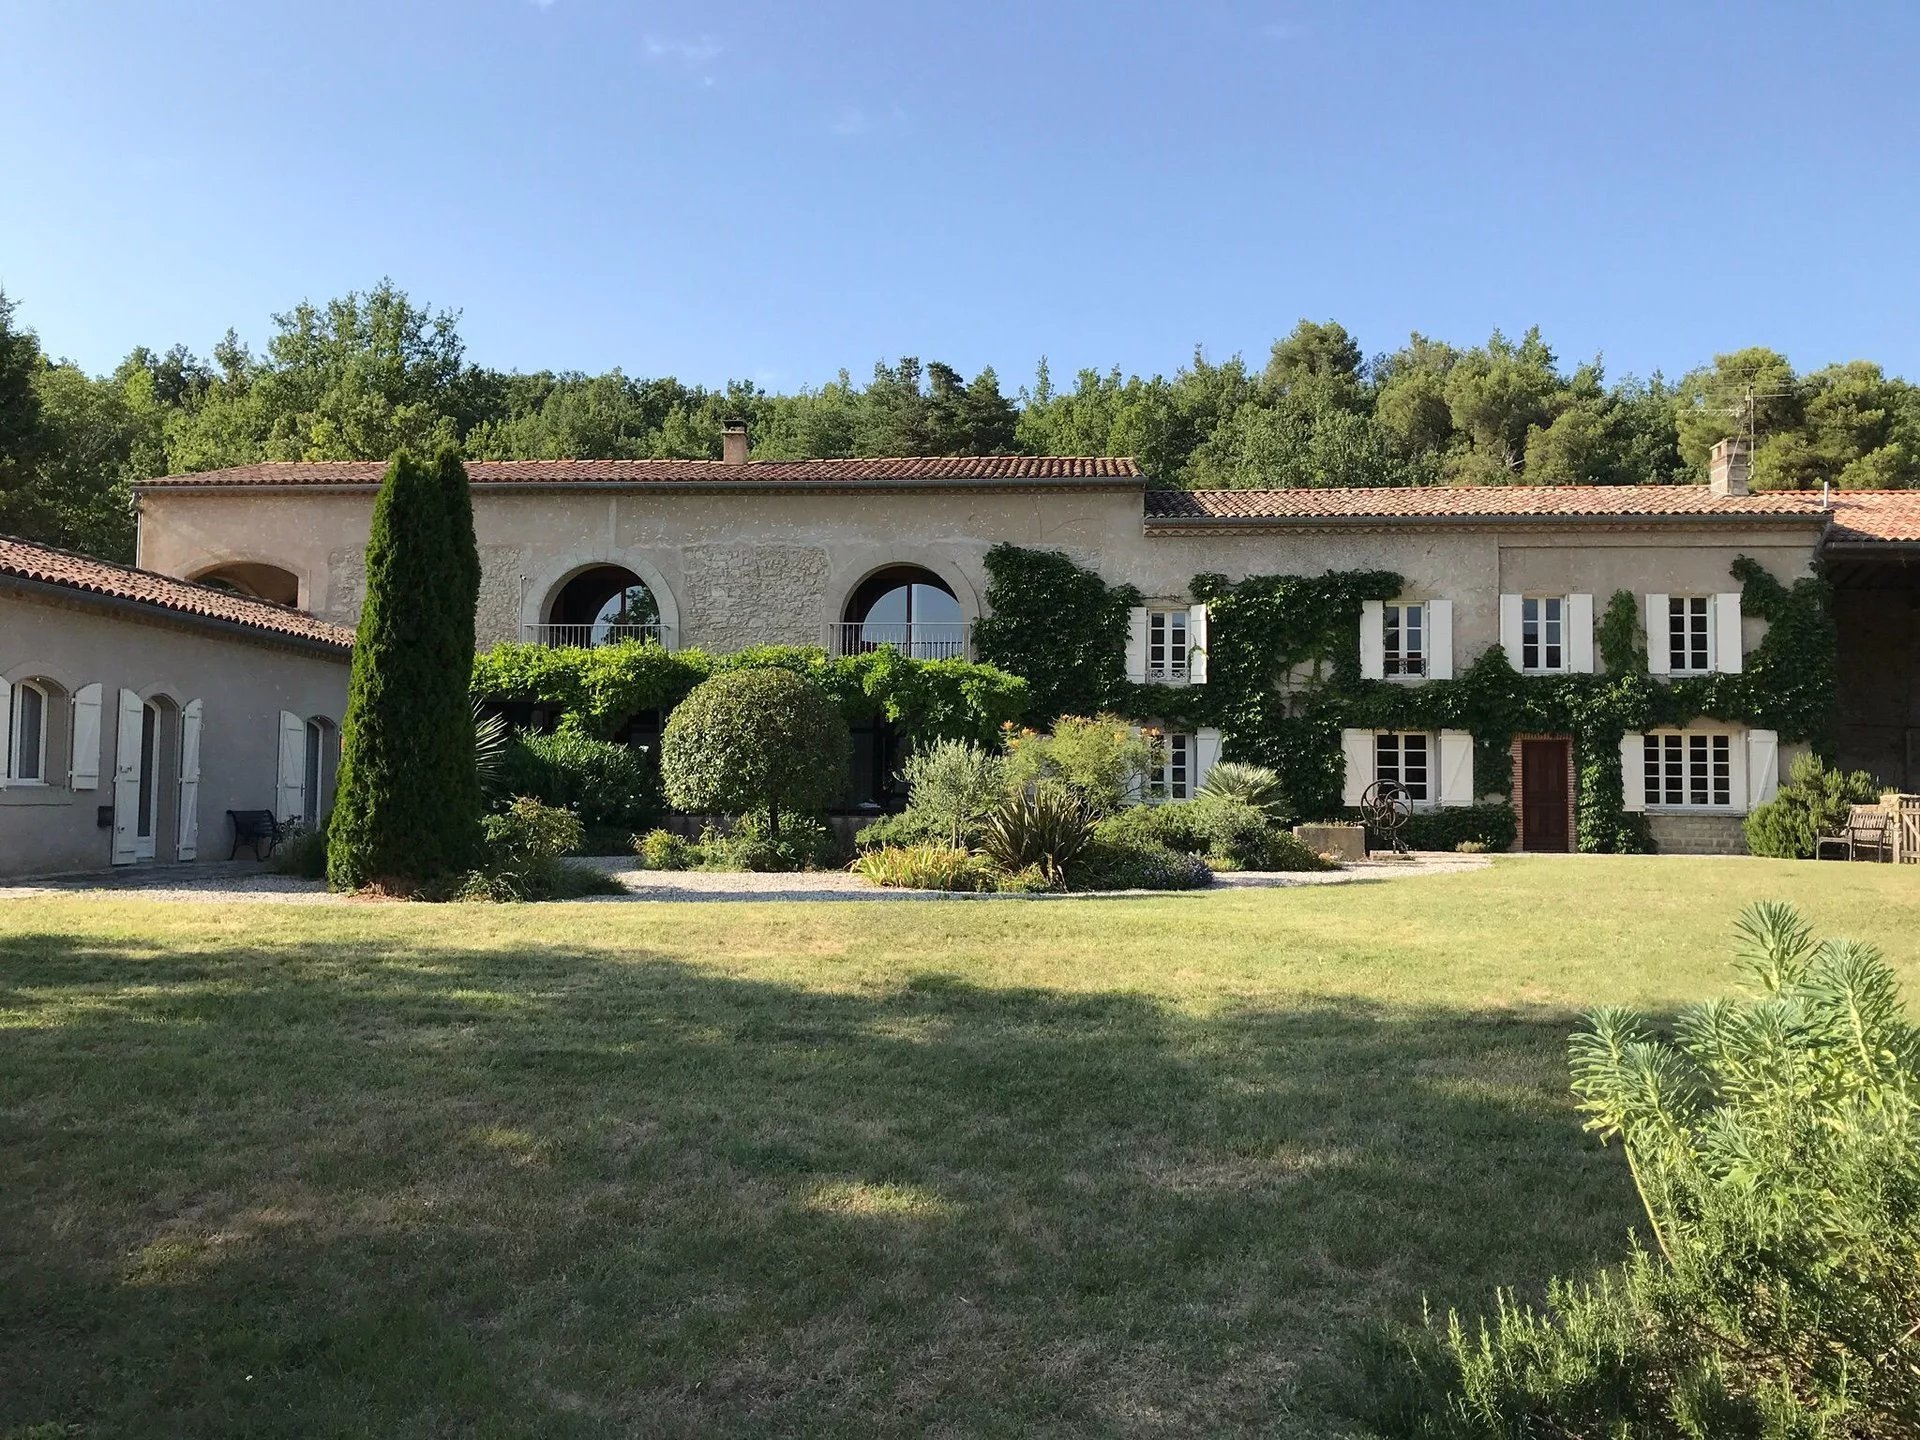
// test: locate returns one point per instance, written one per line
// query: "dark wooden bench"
(1869, 829)
(257, 828)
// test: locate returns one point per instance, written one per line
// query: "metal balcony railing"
(588, 636)
(921, 642)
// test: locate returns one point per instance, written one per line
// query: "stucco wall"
(242, 686)
(737, 568)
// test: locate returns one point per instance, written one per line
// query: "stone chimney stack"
(733, 442)
(1728, 467)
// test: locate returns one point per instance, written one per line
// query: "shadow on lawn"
(464, 1193)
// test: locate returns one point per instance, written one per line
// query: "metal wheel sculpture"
(1385, 807)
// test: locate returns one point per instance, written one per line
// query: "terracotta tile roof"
(956, 468)
(1473, 502)
(1864, 517)
(24, 560)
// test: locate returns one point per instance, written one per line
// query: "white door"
(187, 840)
(126, 780)
(147, 820)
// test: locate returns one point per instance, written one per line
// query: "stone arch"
(540, 591)
(924, 609)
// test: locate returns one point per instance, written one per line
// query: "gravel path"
(243, 880)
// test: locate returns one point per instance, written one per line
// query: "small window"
(1403, 759)
(27, 736)
(1543, 633)
(1167, 646)
(316, 750)
(1172, 776)
(1690, 770)
(1689, 634)
(1405, 639)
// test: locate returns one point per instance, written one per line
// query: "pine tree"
(408, 810)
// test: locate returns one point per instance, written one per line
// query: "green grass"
(1087, 1167)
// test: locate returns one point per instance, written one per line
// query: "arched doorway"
(599, 606)
(250, 577)
(905, 608)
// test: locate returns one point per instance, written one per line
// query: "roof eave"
(259, 634)
(1021, 485)
(1346, 522)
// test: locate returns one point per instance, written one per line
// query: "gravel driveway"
(245, 880)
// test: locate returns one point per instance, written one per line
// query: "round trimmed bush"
(606, 785)
(767, 741)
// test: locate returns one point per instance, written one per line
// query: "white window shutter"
(1633, 772)
(1579, 636)
(1510, 627)
(1456, 767)
(126, 779)
(1658, 651)
(188, 835)
(6, 732)
(1137, 645)
(290, 798)
(1206, 754)
(1728, 653)
(1763, 766)
(83, 770)
(1196, 644)
(1440, 639)
(1357, 746)
(1373, 639)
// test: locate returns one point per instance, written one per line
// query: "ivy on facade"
(600, 689)
(1283, 677)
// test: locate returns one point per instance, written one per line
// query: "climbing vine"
(600, 689)
(1283, 677)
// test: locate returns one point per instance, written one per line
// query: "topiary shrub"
(1242, 837)
(1775, 1144)
(606, 785)
(760, 740)
(407, 814)
(1815, 801)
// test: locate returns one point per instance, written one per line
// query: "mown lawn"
(1094, 1167)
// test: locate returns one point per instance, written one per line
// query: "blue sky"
(775, 190)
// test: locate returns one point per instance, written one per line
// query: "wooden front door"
(1543, 795)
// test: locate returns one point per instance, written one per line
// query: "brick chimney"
(733, 442)
(1728, 467)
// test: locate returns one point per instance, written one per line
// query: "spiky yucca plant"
(1250, 784)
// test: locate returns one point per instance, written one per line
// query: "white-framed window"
(27, 735)
(1689, 634)
(1168, 645)
(1543, 633)
(1172, 775)
(1405, 758)
(1404, 639)
(1689, 769)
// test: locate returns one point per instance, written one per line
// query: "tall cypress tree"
(408, 810)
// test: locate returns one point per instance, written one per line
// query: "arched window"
(27, 722)
(261, 581)
(904, 608)
(599, 606)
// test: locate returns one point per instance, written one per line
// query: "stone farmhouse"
(852, 554)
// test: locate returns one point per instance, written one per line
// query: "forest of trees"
(365, 374)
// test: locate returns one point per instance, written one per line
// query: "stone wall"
(1698, 834)
(763, 594)
(496, 617)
